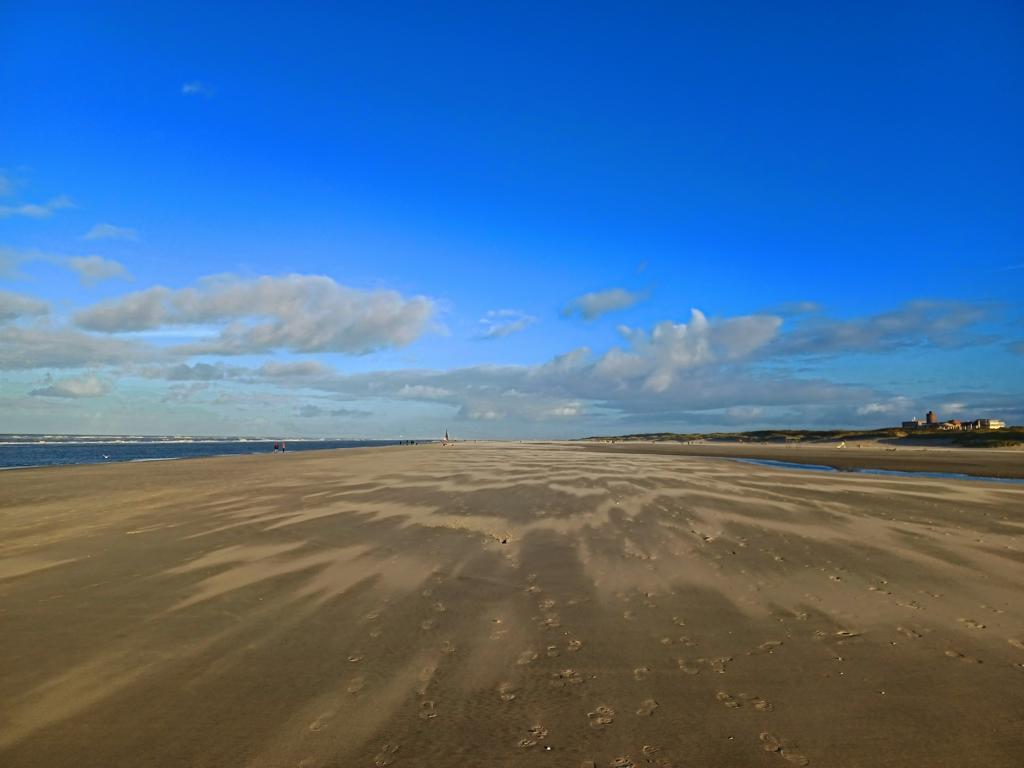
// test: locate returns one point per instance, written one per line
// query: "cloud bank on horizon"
(384, 249)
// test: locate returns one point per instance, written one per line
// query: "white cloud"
(36, 210)
(302, 313)
(110, 232)
(671, 348)
(84, 386)
(93, 269)
(196, 88)
(14, 305)
(590, 306)
(26, 348)
(502, 322)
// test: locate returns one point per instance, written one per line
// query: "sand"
(506, 605)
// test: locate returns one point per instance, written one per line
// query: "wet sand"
(984, 462)
(506, 605)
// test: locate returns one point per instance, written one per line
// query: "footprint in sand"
(647, 707)
(761, 705)
(447, 647)
(641, 673)
(551, 621)
(624, 761)
(744, 699)
(730, 701)
(1018, 644)
(320, 723)
(601, 716)
(689, 667)
(356, 684)
(772, 743)
(765, 647)
(440, 607)
(678, 621)
(506, 691)
(537, 734)
(533, 589)
(650, 753)
(963, 657)
(375, 633)
(566, 677)
(718, 663)
(526, 657)
(355, 657)
(629, 615)
(553, 652)
(547, 605)
(909, 633)
(427, 625)
(428, 710)
(386, 756)
(574, 645)
(971, 623)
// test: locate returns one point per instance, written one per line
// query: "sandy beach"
(508, 605)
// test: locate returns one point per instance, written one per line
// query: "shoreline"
(1005, 463)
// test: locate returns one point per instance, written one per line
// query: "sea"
(18, 451)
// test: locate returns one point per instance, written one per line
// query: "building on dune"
(931, 422)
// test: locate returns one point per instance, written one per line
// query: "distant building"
(931, 418)
(913, 424)
(989, 424)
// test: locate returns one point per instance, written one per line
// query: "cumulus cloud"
(302, 313)
(110, 232)
(671, 348)
(592, 305)
(93, 269)
(36, 210)
(14, 306)
(196, 88)
(84, 386)
(502, 322)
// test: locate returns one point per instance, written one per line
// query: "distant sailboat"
(446, 435)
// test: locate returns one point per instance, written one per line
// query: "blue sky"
(289, 219)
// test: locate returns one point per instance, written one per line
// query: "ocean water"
(49, 450)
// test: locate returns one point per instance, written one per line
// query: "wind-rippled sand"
(506, 605)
